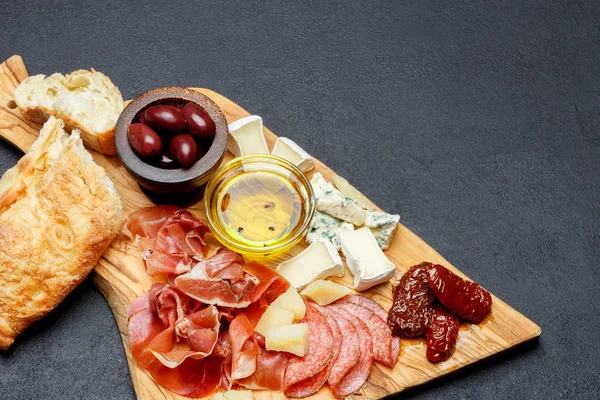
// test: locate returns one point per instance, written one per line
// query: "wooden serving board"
(121, 277)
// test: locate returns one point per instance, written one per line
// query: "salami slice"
(320, 348)
(379, 329)
(374, 306)
(359, 373)
(313, 384)
(349, 351)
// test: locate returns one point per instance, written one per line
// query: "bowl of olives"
(171, 140)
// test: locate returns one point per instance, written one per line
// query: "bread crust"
(103, 142)
(58, 213)
(49, 90)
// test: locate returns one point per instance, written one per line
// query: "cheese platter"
(122, 277)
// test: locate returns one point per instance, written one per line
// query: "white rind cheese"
(288, 149)
(324, 226)
(246, 136)
(365, 259)
(333, 202)
(383, 226)
(317, 261)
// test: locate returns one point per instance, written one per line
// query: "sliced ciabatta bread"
(86, 100)
(59, 211)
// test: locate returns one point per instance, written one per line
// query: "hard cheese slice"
(319, 260)
(288, 149)
(291, 300)
(274, 317)
(325, 292)
(365, 259)
(246, 136)
(290, 338)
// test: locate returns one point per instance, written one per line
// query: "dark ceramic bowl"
(168, 184)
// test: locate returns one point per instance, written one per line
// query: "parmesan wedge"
(325, 292)
(291, 300)
(274, 317)
(290, 338)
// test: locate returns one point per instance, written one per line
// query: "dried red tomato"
(465, 298)
(413, 303)
(442, 334)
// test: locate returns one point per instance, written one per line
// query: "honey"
(260, 208)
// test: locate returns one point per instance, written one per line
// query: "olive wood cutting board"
(121, 277)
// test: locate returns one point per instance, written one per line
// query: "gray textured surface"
(478, 123)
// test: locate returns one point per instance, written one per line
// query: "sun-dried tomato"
(465, 298)
(413, 303)
(442, 334)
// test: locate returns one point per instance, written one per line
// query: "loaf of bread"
(59, 211)
(86, 100)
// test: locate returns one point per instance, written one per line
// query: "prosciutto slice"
(244, 351)
(195, 334)
(221, 280)
(169, 238)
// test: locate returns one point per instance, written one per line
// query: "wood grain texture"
(121, 276)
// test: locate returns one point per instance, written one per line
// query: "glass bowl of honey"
(259, 205)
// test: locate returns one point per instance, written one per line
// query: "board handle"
(14, 127)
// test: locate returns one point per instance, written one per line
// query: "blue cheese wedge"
(288, 149)
(324, 226)
(383, 226)
(365, 259)
(246, 136)
(317, 261)
(333, 202)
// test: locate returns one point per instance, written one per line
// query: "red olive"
(143, 140)
(142, 118)
(183, 148)
(166, 161)
(165, 118)
(199, 123)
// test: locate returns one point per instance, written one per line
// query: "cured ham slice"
(349, 349)
(172, 346)
(320, 348)
(221, 280)
(359, 373)
(193, 378)
(313, 384)
(244, 351)
(380, 312)
(168, 238)
(269, 374)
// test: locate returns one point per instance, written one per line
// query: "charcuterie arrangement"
(273, 285)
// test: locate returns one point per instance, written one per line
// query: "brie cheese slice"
(317, 261)
(334, 203)
(288, 149)
(365, 259)
(246, 136)
(383, 226)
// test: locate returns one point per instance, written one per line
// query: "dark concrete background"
(478, 123)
